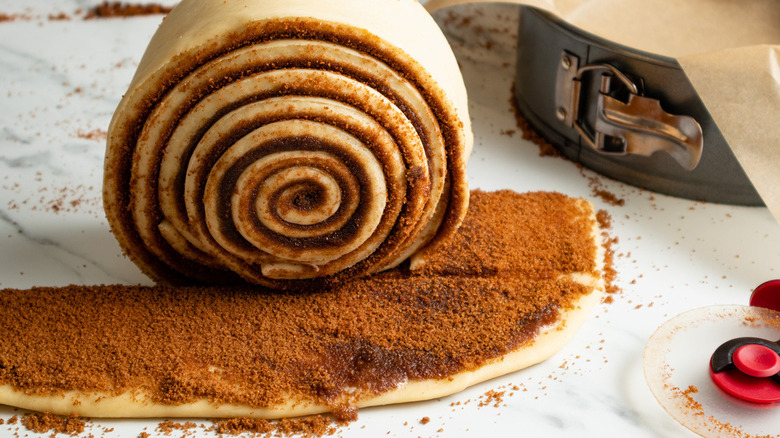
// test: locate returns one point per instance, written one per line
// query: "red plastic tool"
(767, 295)
(749, 368)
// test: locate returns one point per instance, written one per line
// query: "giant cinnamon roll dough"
(287, 142)
(514, 286)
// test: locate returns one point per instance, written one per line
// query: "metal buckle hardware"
(638, 126)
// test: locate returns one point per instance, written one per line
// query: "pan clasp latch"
(633, 125)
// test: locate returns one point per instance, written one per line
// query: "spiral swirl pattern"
(282, 150)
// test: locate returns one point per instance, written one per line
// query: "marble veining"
(60, 81)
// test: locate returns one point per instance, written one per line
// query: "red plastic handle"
(767, 295)
(757, 360)
(747, 388)
(750, 372)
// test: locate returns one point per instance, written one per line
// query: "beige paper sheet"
(741, 89)
(729, 49)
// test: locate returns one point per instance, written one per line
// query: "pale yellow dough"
(138, 405)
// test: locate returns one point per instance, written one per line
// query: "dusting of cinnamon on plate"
(715, 426)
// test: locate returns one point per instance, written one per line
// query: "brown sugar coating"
(534, 236)
(487, 295)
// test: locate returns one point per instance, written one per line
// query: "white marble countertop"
(60, 81)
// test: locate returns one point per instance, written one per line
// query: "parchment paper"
(729, 49)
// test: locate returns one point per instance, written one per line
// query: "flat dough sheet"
(536, 243)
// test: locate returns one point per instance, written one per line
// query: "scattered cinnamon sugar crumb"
(492, 397)
(14, 17)
(166, 427)
(67, 199)
(59, 17)
(608, 197)
(45, 422)
(529, 133)
(103, 10)
(314, 426)
(118, 9)
(95, 134)
(605, 219)
(237, 426)
(597, 188)
(425, 420)
(608, 242)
